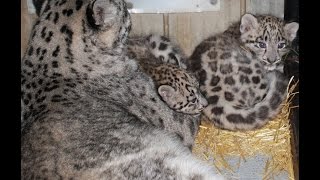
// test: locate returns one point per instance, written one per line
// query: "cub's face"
(181, 92)
(268, 37)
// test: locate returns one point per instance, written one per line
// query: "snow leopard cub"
(165, 63)
(241, 71)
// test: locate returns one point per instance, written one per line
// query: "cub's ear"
(248, 22)
(38, 5)
(290, 30)
(104, 13)
(166, 92)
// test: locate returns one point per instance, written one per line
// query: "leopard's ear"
(38, 5)
(166, 92)
(102, 13)
(290, 30)
(248, 23)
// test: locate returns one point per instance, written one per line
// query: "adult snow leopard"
(89, 112)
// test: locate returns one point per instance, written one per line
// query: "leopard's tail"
(248, 118)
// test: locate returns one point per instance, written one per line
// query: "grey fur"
(90, 116)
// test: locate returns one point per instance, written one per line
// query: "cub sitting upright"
(241, 71)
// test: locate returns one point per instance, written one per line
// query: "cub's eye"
(281, 45)
(262, 45)
(194, 100)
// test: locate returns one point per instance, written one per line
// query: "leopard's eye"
(262, 45)
(281, 45)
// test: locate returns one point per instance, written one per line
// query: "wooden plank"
(143, 24)
(271, 7)
(189, 29)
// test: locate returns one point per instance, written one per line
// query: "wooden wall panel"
(272, 7)
(189, 29)
(143, 24)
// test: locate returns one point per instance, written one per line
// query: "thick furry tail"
(248, 118)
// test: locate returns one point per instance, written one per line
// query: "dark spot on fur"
(55, 64)
(49, 37)
(26, 101)
(245, 70)
(263, 86)
(38, 50)
(263, 112)
(228, 96)
(251, 117)
(225, 55)
(30, 52)
(62, 2)
(40, 81)
(212, 54)
(56, 51)
(255, 79)
(48, 7)
(79, 4)
(202, 77)
(195, 59)
(244, 94)
(217, 110)
(48, 16)
(226, 68)
(47, 89)
(213, 66)
(213, 99)
(44, 51)
(163, 46)
(229, 80)
(153, 45)
(164, 39)
(56, 17)
(215, 80)
(39, 100)
(244, 79)
(216, 89)
(217, 122)
(28, 63)
(235, 118)
(67, 12)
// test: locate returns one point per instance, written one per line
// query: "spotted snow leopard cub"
(88, 111)
(177, 87)
(241, 71)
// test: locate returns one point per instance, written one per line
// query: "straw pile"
(273, 140)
